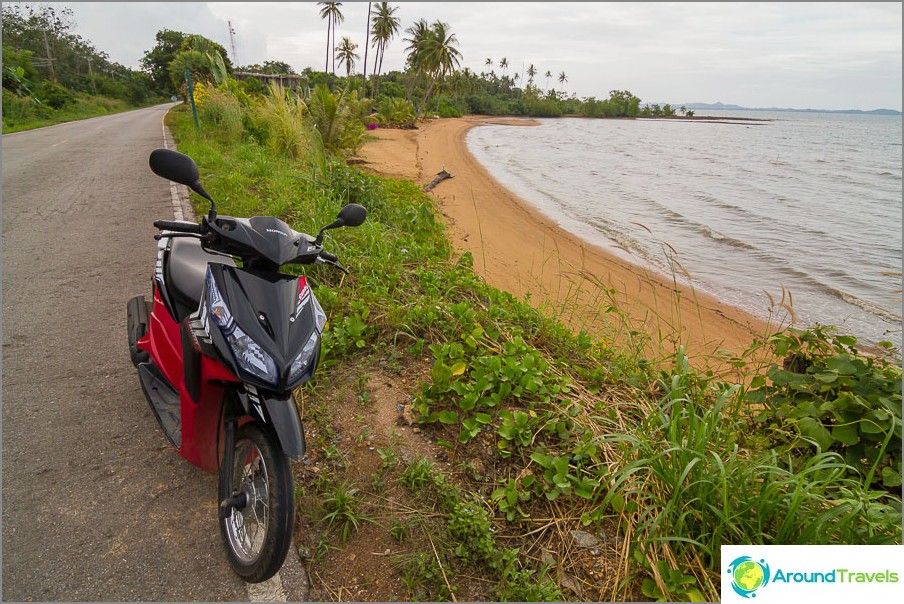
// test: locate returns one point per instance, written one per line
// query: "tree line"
(47, 65)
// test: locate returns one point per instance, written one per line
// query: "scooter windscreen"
(266, 327)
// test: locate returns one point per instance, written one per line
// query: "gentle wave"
(808, 202)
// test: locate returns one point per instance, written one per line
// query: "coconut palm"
(548, 75)
(503, 64)
(366, 48)
(562, 79)
(432, 53)
(531, 72)
(347, 55)
(334, 16)
(385, 27)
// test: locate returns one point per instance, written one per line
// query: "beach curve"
(518, 249)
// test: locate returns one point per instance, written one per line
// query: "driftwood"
(440, 177)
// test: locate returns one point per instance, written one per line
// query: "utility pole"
(235, 58)
(49, 58)
(91, 73)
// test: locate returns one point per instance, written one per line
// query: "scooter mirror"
(352, 215)
(174, 166)
(182, 169)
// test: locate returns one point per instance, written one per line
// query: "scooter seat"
(185, 271)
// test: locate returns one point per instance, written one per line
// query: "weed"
(418, 475)
(342, 508)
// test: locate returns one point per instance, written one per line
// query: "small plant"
(401, 529)
(418, 475)
(523, 584)
(469, 525)
(424, 578)
(341, 508)
(510, 497)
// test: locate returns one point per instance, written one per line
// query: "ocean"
(802, 202)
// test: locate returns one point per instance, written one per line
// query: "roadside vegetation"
(51, 75)
(463, 445)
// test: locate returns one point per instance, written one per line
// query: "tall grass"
(690, 481)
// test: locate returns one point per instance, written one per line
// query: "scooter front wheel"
(257, 527)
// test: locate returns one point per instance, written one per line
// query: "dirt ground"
(359, 437)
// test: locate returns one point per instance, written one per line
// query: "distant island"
(722, 106)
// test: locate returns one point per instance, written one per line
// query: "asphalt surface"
(96, 504)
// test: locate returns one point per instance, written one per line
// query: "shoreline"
(519, 249)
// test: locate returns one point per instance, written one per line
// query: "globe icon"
(749, 575)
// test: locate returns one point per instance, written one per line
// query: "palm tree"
(385, 27)
(531, 72)
(548, 75)
(432, 52)
(347, 55)
(366, 48)
(503, 64)
(333, 15)
(562, 79)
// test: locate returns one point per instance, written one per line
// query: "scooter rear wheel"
(257, 532)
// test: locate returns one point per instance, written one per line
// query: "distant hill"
(724, 107)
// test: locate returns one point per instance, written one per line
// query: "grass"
(22, 114)
(569, 431)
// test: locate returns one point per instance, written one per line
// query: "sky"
(822, 55)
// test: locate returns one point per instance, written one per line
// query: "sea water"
(804, 203)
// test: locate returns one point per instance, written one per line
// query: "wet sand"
(518, 249)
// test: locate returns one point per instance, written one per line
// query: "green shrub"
(54, 95)
(826, 397)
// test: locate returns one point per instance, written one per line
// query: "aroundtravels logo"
(748, 575)
(811, 573)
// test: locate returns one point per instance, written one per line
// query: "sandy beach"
(520, 250)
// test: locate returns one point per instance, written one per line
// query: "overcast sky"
(838, 55)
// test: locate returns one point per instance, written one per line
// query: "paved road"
(96, 505)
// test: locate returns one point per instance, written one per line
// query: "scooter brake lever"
(321, 260)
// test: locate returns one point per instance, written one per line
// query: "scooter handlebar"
(177, 226)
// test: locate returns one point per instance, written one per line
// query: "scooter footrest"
(164, 401)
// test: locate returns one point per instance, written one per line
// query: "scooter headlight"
(304, 358)
(248, 354)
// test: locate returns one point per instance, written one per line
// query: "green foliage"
(689, 484)
(418, 475)
(339, 119)
(342, 508)
(222, 111)
(53, 95)
(826, 397)
(519, 584)
(395, 111)
(423, 576)
(19, 73)
(469, 526)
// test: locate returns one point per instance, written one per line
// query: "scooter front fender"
(277, 415)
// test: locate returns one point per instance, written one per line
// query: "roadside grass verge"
(572, 468)
(20, 114)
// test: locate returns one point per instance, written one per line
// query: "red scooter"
(219, 350)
